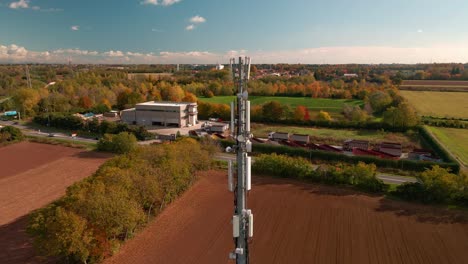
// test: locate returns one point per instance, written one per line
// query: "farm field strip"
(313, 104)
(37, 175)
(435, 83)
(438, 104)
(455, 140)
(299, 223)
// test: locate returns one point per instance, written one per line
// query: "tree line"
(396, 112)
(101, 212)
(435, 184)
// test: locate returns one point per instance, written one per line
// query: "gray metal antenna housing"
(242, 220)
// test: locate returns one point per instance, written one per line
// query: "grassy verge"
(46, 129)
(455, 140)
(62, 142)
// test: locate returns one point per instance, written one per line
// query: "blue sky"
(208, 31)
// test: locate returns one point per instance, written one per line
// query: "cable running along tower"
(242, 220)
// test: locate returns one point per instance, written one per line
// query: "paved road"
(30, 132)
(385, 177)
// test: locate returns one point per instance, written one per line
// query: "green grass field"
(313, 104)
(337, 136)
(455, 140)
(439, 104)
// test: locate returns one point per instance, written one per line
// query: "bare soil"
(33, 175)
(299, 223)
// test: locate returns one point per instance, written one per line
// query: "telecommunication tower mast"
(242, 220)
(28, 76)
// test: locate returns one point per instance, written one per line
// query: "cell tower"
(242, 220)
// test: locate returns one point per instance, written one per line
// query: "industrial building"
(162, 114)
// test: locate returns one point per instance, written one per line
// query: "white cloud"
(25, 5)
(157, 30)
(190, 27)
(420, 31)
(197, 19)
(160, 2)
(135, 54)
(19, 4)
(112, 53)
(75, 28)
(169, 2)
(329, 55)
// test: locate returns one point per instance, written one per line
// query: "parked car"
(51, 135)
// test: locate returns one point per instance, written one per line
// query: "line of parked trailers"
(384, 150)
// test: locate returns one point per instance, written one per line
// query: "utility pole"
(242, 220)
(28, 77)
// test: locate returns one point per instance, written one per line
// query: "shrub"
(10, 133)
(437, 185)
(411, 191)
(362, 175)
(121, 143)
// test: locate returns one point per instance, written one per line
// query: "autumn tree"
(62, 233)
(323, 116)
(173, 93)
(85, 102)
(300, 112)
(26, 100)
(189, 97)
(128, 98)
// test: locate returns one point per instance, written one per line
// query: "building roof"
(128, 110)
(390, 145)
(153, 103)
(300, 135)
(356, 141)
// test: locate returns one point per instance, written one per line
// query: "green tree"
(272, 111)
(379, 101)
(11, 133)
(439, 183)
(123, 142)
(402, 116)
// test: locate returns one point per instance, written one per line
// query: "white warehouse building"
(161, 114)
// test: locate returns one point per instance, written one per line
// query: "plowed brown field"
(31, 176)
(299, 223)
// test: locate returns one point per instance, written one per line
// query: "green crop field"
(439, 104)
(337, 136)
(313, 104)
(455, 140)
